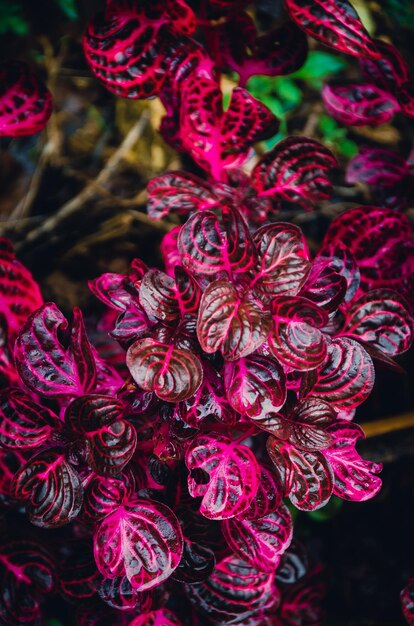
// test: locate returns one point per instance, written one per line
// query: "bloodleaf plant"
(244, 360)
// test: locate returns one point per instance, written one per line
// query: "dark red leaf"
(25, 102)
(232, 476)
(229, 323)
(325, 286)
(255, 386)
(51, 488)
(295, 171)
(338, 258)
(354, 477)
(141, 540)
(306, 476)
(389, 71)
(197, 563)
(303, 603)
(347, 378)
(178, 192)
(283, 260)
(157, 295)
(336, 24)
(173, 374)
(296, 340)
(78, 577)
(359, 104)
(103, 495)
(45, 364)
(407, 601)
(260, 542)
(161, 617)
(119, 594)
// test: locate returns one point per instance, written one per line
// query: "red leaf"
(233, 476)
(268, 497)
(178, 192)
(142, 540)
(295, 171)
(336, 24)
(161, 617)
(173, 374)
(104, 495)
(407, 601)
(359, 104)
(306, 476)
(229, 323)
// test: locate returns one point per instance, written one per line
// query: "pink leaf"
(306, 476)
(178, 192)
(407, 601)
(335, 24)
(354, 478)
(173, 374)
(295, 171)
(324, 285)
(231, 476)
(142, 540)
(104, 495)
(229, 323)
(359, 104)
(161, 617)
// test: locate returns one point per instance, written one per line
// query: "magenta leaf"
(161, 617)
(169, 250)
(10, 462)
(296, 340)
(234, 592)
(347, 378)
(304, 424)
(45, 364)
(24, 424)
(103, 495)
(225, 474)
(283, 263)
(141, 540)
(381, 319)
(335, 24)
(112, 291)
(255, 385)
(78, 577)
(157, 295)
(27, 574)
(337, 258)
(268, 497)
(407, 601)
(20, 294)
(306, 476)
(260, 542)
(324, 285)
(25, 102)
(217, 139)
(178, 192)
(359, 104)
(51, 488)
(118, 593)
(173, 374)
(197, 563)
(207, 248)
(295, 171)
(354, 477)
(236, 326)
(303, 603)
(127, 48)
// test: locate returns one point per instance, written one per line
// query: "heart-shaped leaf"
(296, 340)
(51, 488)
(226, 322)
(173, 374)
(382, 320)
(157, 295)
(354, 477)
(359, 104)
(304, 425)
(103, 495)
(178, 192)
(197, 563)
(347, 378)
(207, 247)
(46, 365)
(161, 617)
(283, 263)
(225, 474)
(260, 542)
(255, 386)
(306, 476)
(268, 497)
(118, 593)
(23, 423)
(325, 286)
(295, 171)
(141, 540)
(25, 102)
(336, 24)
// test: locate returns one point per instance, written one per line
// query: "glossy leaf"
(268, 497)
(48, 366)
(197, 563)
(231, 476)
(296, 340)
(295, 171)
(161, 617)
(324, 285)
(141, 540)
(51, 488)
(407, 601)
(103, 495)
(178, 192)
(226, 322)
(255, 386)
(260, 542)
(359, 104)
(306, 476)
(354, 477)
(173, 374)
(347, 378)
(25, 102)
(335, 24)
(118, 593)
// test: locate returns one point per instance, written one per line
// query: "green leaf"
(288, 91)
(401, 11)
(12, 19)
(347, 148)
(318, 67)
(69, 8)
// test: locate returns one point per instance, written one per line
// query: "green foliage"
(69, 8)
(318, 67)
(12, 19)
(402, 11)
(336, 137)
